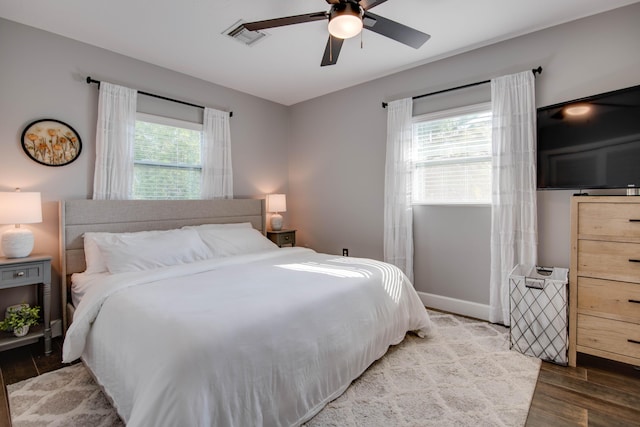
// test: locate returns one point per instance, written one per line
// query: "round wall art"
(51, 142)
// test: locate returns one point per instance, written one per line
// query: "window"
(452, 156)
(167, 158)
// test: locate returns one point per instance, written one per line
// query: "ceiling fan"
(347, 18)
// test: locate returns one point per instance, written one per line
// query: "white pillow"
(123, 252)
(220, 226)
(92, 256)
(235, 241)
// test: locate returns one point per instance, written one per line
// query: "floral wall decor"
(51, 142)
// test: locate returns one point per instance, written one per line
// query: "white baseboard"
(456, 306)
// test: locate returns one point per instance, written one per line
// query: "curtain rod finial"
(537, 70)
(384, 105)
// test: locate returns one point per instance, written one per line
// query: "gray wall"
(337, 152)
(42, 76)
(327, 154)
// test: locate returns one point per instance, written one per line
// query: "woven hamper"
(538, 305)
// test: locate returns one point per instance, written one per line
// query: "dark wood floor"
(596, 393)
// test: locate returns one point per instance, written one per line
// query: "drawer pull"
(635, 301)
(20, 274)
(634, 260)
(633, 341)
(634, 220)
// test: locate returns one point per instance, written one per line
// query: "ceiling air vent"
(238, 32)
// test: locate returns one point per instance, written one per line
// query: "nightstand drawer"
(282, 237)
(18, 274)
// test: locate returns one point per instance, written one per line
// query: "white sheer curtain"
(513, 213)
(115, 136)
(398, 214)
(217, 173)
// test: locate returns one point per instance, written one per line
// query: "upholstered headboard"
(117, 216)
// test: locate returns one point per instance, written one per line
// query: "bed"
(197, 319)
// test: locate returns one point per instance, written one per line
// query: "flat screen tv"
(590, 143)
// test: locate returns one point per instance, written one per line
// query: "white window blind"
(452, 156)
(167, 158)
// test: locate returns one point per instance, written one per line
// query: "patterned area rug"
(464, 375)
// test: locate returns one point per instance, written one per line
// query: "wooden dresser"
(604, 282)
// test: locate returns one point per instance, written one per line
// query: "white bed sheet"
(263, 339)
(81, 282)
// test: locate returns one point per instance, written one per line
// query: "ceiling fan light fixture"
(345, 20)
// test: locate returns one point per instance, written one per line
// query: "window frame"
(443, 114)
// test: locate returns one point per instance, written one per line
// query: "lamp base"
(17, 242)
(276, 222)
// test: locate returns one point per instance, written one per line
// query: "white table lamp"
(19, 208)
(276, 203)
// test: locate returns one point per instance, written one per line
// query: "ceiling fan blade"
(394, 30)
(281, 22)
(368, 4)
(333, 1)
(332, 51)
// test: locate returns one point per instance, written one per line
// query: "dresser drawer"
(609, 260)
(17, 274)
(609, 219)
(614, 300)
(611, 336)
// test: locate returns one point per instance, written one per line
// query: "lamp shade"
(276, 203)
(345, 20)
(20, 208)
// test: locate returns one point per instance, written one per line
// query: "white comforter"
(264, 339)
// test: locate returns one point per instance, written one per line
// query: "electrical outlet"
(345, 252)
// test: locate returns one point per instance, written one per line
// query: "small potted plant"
(19, 318)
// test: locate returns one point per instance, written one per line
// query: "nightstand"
(282, 237)
(31, 270)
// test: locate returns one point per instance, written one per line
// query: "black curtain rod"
(534, 71)
(90, 80)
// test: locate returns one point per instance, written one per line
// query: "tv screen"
(590, 143)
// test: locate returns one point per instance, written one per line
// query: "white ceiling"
(186, 36)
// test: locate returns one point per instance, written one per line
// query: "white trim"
(453, 112)
(456, 306)
(168, 121)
